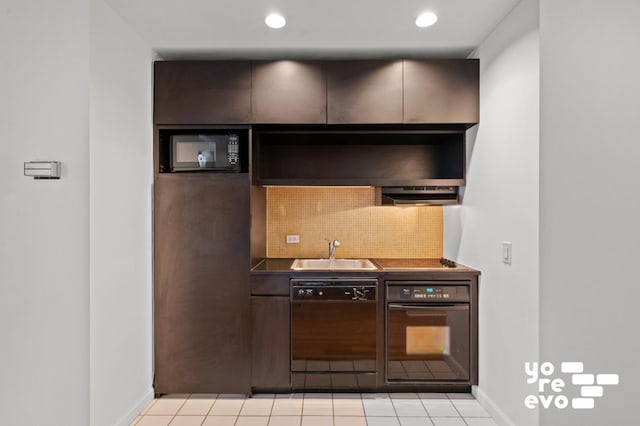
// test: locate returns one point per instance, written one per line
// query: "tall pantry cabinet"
(202, 223)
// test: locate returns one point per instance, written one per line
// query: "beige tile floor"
(315, 409)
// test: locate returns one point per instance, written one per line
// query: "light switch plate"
(507, 252)
(293, 239)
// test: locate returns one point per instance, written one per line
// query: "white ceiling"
(323, 28)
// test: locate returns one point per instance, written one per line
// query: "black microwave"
(205, 151)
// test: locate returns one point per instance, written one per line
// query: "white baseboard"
(498, 415)
(136, 409)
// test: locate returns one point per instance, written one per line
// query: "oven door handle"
(413, 310)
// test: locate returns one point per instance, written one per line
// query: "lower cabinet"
(201, 283)
(270, 362)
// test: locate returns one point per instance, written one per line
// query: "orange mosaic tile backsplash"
(318, 214)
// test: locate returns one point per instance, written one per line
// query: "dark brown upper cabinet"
(364, 92)
(442, 91)
(289, 92)
(429, 91)
(202, 92)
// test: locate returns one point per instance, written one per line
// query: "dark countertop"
(273, 265)
(278, 265)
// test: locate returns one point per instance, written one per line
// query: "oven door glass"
(428, 342)
(333, 336)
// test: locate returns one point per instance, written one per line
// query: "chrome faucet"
(332, 248)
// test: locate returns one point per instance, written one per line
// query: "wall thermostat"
(42, 169)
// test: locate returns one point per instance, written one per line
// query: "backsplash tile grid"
(350, 216)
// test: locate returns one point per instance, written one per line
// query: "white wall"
(44, 225)
(121, 177)
(589, 208)
(501, 204)
(64, 252)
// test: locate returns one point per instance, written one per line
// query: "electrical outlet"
(293, 239)
(507, 252)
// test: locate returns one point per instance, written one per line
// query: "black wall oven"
(333, 333)
(428, 332)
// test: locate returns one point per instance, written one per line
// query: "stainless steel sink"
(333, 265)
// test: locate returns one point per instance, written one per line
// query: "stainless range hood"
(419, 195)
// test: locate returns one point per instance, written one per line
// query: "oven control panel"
(398, 291)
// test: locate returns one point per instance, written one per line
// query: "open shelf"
(375, 158)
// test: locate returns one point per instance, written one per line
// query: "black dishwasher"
(333, 333)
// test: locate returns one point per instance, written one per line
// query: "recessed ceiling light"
(426, 19)
(275, 20)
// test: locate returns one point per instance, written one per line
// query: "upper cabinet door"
(289, 92)
(202, 92)
(441, 91)
(364, 92)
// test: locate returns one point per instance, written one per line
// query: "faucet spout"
(332, 248)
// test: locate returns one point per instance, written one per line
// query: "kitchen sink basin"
(333, 265)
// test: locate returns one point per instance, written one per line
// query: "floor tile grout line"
(273, 402)
(240, 410)
(204, 419)
(425, 408)
(180, 408)
(333, 410)
(457, 411)
(394, 408)
(211, 408)
(146, 410)
(173, 416)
